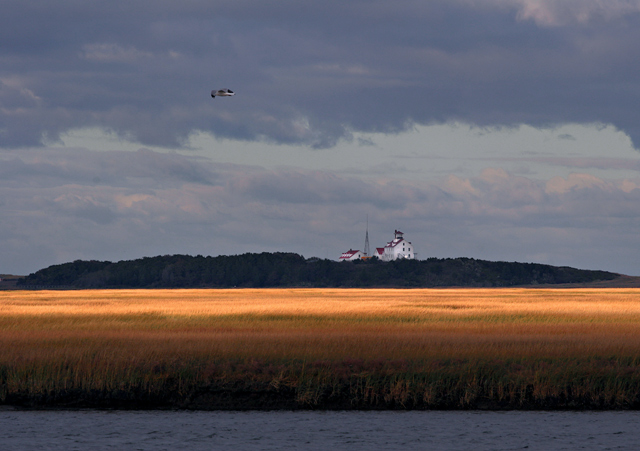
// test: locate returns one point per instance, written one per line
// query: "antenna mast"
(366, 240)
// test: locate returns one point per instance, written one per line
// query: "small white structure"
(350, 255)
(378, 253)
(398, 248)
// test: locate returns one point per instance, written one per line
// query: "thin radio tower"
(366, 240)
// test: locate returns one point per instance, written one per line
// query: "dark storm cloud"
(312, 72)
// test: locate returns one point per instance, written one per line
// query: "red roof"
(394, 243)
(350, 253)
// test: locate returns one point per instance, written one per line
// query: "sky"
(505, 130)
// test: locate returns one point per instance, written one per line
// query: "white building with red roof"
(394, 250)
(350, 255)
(398, 248)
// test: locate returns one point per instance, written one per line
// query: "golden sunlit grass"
(476, 343)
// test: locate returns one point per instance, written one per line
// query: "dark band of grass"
(597, 383)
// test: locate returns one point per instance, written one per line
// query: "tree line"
(280, 269)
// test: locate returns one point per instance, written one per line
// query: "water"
(478, 431)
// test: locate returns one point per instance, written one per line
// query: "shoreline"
(577, 384)
(222, 400)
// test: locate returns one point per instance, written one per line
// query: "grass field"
(321, 348)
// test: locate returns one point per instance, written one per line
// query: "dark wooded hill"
(292, 270)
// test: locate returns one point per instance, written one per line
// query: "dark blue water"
(476, 431)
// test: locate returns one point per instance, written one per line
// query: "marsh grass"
(321, 348)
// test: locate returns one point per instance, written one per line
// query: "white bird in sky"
(222, 93)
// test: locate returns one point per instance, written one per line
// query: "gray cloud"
(304, 74)
(141, 72)
(115, 168)
(53, 211)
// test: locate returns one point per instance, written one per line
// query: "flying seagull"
(222, 93)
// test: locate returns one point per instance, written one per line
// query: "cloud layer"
(63, 204)
(335, 118)
(312, 72)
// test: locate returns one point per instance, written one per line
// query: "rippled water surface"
(64, 430)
